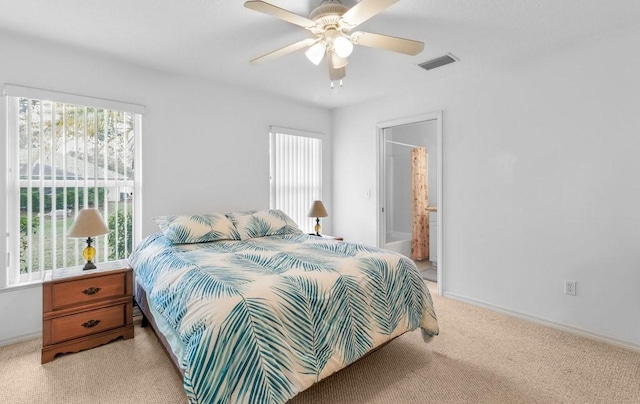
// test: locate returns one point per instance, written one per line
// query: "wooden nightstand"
(84, 309)
(332, 237)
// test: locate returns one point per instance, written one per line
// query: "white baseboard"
(558, 326)
(21, 338)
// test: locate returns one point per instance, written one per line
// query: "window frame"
(10, 276)
(307, 225)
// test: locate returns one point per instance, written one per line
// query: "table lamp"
(88, 223)
(317, 210)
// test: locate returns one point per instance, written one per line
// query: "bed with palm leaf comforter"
(260, 315)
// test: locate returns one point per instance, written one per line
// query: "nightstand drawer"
(86, 323)
(85, 309)
(88, 290)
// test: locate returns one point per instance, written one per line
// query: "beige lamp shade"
(317, 210)
(88, 223)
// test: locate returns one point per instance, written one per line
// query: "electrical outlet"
(570, 288)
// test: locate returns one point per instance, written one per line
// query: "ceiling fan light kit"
(331, 23)
(315, 53)
(342, 46)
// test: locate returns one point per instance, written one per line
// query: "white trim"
(439, 215)
(137, 181)
(13, 195)
(295, 132)
(380, 127)
(22, 285)
(430, 116)
(69, 98)
(549, 323)
(21, 338)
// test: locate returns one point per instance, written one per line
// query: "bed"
(251, 309)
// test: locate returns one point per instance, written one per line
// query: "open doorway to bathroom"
(410, 180)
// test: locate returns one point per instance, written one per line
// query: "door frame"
(380, 180)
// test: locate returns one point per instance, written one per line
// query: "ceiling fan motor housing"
(328, 13)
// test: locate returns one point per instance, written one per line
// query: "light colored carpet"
(479, 357)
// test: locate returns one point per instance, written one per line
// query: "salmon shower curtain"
(420, 237)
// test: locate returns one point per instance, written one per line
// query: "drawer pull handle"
(91, 291)
(91, 323)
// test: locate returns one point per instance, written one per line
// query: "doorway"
(396, 141)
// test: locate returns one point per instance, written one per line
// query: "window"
(65, 156)
(296, 173)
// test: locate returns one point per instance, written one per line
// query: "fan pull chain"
(332, 85)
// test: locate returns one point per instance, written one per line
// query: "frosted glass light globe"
(316, 53)
(342, 46)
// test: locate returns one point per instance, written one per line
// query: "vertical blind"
(66, 157)
(296, 173)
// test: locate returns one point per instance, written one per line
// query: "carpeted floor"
(479, 357)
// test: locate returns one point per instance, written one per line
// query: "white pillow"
(183, 229)
(263, 223)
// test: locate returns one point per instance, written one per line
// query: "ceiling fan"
(332, 24)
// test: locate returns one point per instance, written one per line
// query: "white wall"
(541, 182)
(205, 145)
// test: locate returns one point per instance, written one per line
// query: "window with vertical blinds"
(296, 173)
(65, 157)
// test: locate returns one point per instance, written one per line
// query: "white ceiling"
(216, 39)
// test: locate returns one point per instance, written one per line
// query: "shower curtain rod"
(402, 144)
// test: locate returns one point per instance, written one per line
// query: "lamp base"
(317, 227)
(89, 253)
(89, 265)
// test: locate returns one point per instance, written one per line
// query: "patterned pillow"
(183, 229)
(262, 223)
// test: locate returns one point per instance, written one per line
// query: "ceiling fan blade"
(280, 13)
(400, 45)
(364, 10)
(285, 51)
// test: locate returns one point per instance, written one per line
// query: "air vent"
(437, 62)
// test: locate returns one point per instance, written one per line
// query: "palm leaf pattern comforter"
(263, 319)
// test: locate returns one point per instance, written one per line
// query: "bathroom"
(398, 143)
